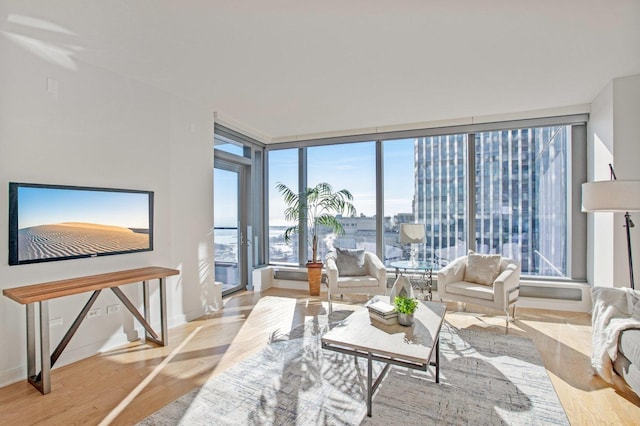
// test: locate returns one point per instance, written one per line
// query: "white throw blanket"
(614, 310)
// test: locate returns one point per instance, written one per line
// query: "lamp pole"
(628, 223)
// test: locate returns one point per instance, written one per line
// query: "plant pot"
(405, 319)
(314, 273)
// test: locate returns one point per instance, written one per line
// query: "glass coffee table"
(412, 347)
(424, 271)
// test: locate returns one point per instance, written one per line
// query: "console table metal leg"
(41, 381)
(163, 312)
(45, 357)
(31, 341)
(145, 301)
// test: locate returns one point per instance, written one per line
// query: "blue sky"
(225, 205)
(41, 206)
(347, 166)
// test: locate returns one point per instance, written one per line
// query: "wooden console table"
(42, 293)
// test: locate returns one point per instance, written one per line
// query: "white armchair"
(496, 289)
(347, 275)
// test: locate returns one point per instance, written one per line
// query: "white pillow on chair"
(350, 262)
(482, 268)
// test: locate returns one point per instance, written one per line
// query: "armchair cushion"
(468, 289)
(350, 262)
(358, 281)
(482, 268)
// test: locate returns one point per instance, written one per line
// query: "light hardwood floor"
(125, 385)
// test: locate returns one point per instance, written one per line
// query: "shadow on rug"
(485, 379)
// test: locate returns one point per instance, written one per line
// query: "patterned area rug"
(485, 379)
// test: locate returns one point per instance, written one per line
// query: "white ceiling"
(296, 67)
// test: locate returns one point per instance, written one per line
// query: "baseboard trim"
(13, 375)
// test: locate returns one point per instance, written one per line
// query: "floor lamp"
(621, 196)
(412, 233)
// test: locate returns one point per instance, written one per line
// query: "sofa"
(627, 363)
(616, 334)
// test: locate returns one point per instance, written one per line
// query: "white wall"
(599, 155)
(613, 138)
(102, 129)
(626, 160)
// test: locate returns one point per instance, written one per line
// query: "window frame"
(577, 174)
(254, 157)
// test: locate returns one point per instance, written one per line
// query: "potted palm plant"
(315, 207)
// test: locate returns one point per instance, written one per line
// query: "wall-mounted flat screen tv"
(56, 222)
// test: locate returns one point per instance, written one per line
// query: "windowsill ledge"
(280, 276)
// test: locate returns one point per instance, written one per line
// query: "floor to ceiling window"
(227, 228)
(399, 192)
(283, 168)
(351, 167)
(238, 187)
(440, 185)
(521, 192)
(344, 166)
(424, 182)
(485, 188)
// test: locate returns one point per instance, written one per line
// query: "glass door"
(230, 224)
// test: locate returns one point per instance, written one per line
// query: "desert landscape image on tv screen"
(63, 223)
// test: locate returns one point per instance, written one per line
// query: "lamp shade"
(611, 196)
(412, 233)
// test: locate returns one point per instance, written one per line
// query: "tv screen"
(56, 222)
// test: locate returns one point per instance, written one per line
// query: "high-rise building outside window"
(440, 195)
(521, 197)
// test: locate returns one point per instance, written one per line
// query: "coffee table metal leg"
(438, 360)
(369, 383)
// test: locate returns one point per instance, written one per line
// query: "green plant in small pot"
(405, 306)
